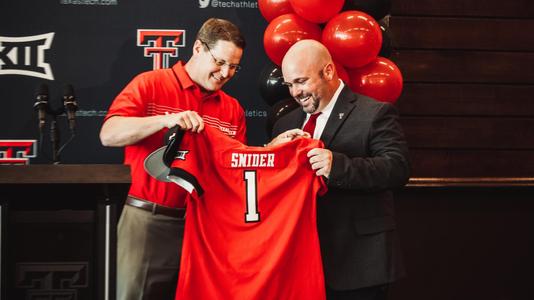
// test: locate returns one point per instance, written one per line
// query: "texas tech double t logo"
(160, 44)
(17, 152)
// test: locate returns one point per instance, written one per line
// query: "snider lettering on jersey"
(246, 160)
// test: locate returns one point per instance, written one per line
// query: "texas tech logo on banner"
(17, 152)
(160, 44)
(25, 55)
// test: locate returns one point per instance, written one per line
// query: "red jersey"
(251, 221)
(170, 91)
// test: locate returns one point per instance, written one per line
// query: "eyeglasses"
(221, 62)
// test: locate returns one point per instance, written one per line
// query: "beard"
(312, 106)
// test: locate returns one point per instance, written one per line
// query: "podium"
(58, 230)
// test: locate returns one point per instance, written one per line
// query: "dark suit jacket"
(355, 218)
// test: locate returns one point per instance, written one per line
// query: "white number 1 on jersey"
(252, 214)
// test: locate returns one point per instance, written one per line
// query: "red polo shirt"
(170, 91)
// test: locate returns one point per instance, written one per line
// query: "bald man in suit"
(364, 159)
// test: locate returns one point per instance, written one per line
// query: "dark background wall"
(94, 48)
(467, 104)
(467, 218)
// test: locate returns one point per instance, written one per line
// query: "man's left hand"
(321, 161)
(288, 136)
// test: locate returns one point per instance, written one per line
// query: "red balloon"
(341, 72)
(381, 79)
(271, 9)
(353, 38)
(284, 31)
(317, 11)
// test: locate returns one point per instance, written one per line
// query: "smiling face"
(212, 67)
(305, 86)
(309, 75)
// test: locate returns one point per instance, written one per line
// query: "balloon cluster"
(359, 44)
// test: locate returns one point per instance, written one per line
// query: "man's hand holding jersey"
(288, 136)
(320, 159)
(187, 120)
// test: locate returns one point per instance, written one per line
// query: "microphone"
(41, 105)
(71, 106)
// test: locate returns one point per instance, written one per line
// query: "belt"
(155, 208)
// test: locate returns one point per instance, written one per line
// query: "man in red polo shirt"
(189, 95)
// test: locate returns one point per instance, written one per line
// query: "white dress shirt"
(321, 120)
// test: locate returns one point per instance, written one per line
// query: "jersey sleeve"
(190, 156)
(323, 187)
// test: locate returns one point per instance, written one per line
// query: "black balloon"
(376, 8)
(278, 110)
(270, 82)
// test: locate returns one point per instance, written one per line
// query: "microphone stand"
(54, 139)
(54, 135)
(68, 107)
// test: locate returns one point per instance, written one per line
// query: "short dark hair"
(214, 30)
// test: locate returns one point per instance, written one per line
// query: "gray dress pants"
(148, 255)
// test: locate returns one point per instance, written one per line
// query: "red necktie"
(309, 127)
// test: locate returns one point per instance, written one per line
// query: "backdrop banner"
(97, 47)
